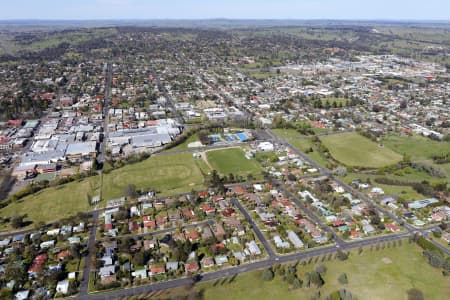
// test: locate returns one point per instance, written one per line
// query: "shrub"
(268, 275)
(343, 279)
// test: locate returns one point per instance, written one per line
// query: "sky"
(232, 9)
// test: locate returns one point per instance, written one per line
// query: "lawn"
(383, 274)
(169, 174)
(304, 145)
(56, 202)
(233, 161)
(287, 133)
(355, 150)
(417, 147)
(184, 145)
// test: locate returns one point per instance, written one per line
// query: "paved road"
(311, 215)
(91, 252)
(163, 90)
(239, 269)
(255, 227)
(106, 102)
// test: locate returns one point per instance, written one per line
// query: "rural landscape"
(224, 159)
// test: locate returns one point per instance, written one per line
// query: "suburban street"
(106, 103)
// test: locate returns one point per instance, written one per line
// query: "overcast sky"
(237, 9)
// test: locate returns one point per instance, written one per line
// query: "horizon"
(305, 10)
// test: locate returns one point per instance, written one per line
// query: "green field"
(169, 174)
(417, 147)
(233, 161)
(184, 145)
(56, 202)
(354, 150)
(287, 133)
(383, 274)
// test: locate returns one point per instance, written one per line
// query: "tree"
(17, 221)
(130, 191)
(415, 294)
(316, 279)
(138, 259)
(343, 278)
(321, 269)
(341, 255)
(268, 275)
(297, 283)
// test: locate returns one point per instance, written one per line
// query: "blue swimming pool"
(214, 137)
(241, 136)
(229, 138)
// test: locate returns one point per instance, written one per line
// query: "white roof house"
(62, 287)
(295, 240)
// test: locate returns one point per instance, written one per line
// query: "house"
(446, 237)
(4, 243)
(173, 217)
(109, 279)
(392, 227)
(219, 232)
(265, 146)
(228, 212)
(150, 244)
(279, 243)
(107, 271)
(154, 270)
(161, 220)
(192, 236)
(294, 239)
(133, 226)
(207, 233)
(188, 214)
(172, 266)
(221, 259)
(62, 255)
(38, 262)
(208, 210)
(79, 228)
(191, 267)
(368, 229)
(148, 222)
(142, 274)
(62, 287)
(22, 295)
(253, 248)
(437, 217)
(418, 204)
(74, 240)
(354, 234)
(236, 190)
(48, 244)
(203, 194)
(207, 262)
(53, 232)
